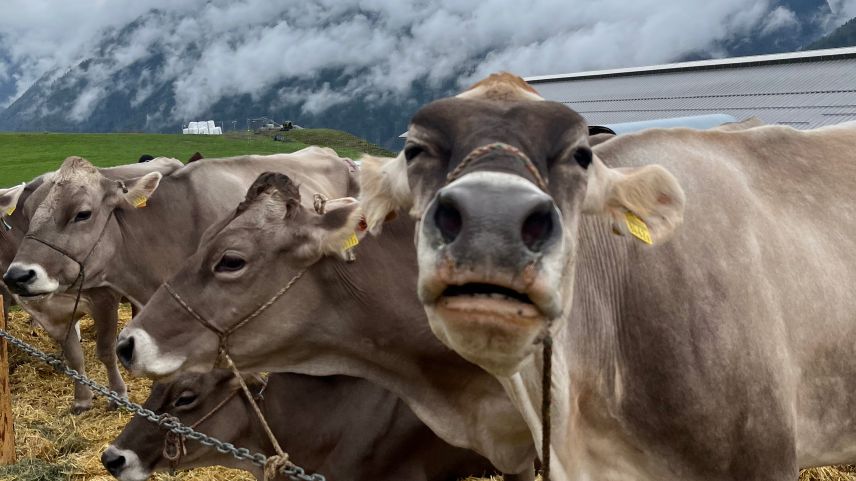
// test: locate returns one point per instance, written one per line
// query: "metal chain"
(291, 470)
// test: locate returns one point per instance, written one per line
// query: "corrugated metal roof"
(803, 89)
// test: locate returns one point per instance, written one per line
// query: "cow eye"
(583, 157)
(230, 263)
(412, 151)
(187, 397)
(82, 215)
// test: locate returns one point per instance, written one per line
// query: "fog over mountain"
(361, 65)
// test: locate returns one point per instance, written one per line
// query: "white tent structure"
(205, 127)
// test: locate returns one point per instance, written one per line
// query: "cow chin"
(497, 341)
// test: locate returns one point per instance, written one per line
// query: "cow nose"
(113, 461)
(17, 279)
(537, 228)
(493, 210)
(125, 351)
(447, 217)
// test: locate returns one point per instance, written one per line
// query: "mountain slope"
(843, 36)
(144, 76)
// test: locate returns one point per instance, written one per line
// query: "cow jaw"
(491, 320)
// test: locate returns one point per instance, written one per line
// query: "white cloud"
(218, 48)
(842, 10)
(778, 19)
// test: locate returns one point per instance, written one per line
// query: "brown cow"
(145, 227)
(343, 427)
(360, 319)
(722, 350)
(53, 311)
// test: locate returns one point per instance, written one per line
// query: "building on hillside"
(801, 89)
(205, 127)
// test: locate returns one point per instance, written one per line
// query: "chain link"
(170, 423)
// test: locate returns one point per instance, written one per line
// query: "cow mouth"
(489, 299)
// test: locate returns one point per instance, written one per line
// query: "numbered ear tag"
(637, 227)
(140, 201)
(350, 242)
(10, 210)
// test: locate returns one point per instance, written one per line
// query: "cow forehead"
(459, 120)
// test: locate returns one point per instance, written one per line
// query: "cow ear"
(9, 198)
(336, 229)
(646, 202)
(384, 188)
(137, 191)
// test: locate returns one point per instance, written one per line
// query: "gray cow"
(360, 318)
(53, 312)
(343, 427)
(720, 350)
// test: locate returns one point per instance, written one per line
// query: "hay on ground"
(54, 445)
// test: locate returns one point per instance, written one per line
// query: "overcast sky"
(250, 45)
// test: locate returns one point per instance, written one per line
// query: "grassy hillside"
(26, 155)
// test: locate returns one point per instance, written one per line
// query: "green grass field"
(24, 156)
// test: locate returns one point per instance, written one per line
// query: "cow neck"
(156, 239)
(402, 355)
(586, 354)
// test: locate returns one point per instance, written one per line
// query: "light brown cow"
(131, 236)
(359, 319)
(343, 427)
(724, 353)
(53, 311)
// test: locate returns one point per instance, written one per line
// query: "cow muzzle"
(488, 246)
(124, 464)
(29, 280)
(141, 356)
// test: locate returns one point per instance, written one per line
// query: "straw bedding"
(53, 445)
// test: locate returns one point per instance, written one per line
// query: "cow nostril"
(538, 226)
(125, 351)
(448, 219)
(17, 278)
(112, 462)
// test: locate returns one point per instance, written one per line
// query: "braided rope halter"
(547, 339)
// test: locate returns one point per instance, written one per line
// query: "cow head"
(74, 209)
(138, 450)
(242, 260)
(498, 179)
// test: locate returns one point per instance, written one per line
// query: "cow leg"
(106, 317)
(74, 357)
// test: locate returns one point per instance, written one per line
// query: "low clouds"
(207, 50)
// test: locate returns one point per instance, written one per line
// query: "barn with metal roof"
(800, 89)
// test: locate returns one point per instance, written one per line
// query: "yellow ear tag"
(350, 242)
(140, 202)
(638, 227)
(10, 210)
